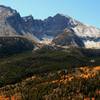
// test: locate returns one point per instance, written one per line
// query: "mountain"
(68, 38)
(55, 25)
(89, 35)
(10, 22)
(48, 30)
(12, 28)
(35, 27)
(50, 27)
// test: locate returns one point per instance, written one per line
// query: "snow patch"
(87, 31)
(46, 39)
(92, 44)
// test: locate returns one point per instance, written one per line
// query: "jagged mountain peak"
(61, 17)
(28, 18)
(6, 11)
(72, 21)
(2, 7)
(11, 23)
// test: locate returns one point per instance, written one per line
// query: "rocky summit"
(49, 29)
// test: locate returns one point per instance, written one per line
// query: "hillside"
(18, 66)
(14, 44)
(78, 84)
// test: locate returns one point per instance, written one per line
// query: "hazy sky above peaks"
(86, 11)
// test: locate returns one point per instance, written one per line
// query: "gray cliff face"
(52, 26)
(68, 38)
(35, 27)
(11, 23)
(5, 28)
(6, 12)
(55, 25)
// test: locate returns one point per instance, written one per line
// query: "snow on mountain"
(87, 31)
(89, 34)
(46, 39)
(47, 30)
(92, 44)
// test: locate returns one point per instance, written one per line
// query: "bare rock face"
(68, 38)
(35, 27)
(6, 12)
(52, 26)
(11, 23)
(55, 25)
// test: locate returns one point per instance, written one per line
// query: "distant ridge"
(11, 23)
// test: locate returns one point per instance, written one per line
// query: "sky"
(86, 11)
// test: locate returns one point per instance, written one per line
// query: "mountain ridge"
(11, 23)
